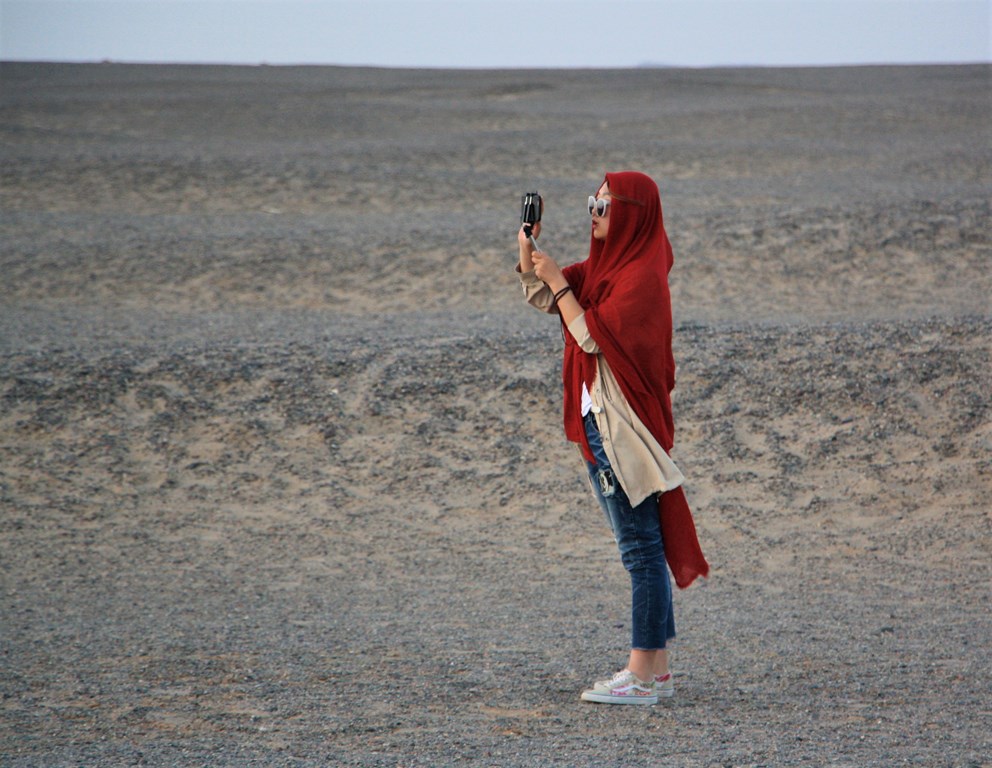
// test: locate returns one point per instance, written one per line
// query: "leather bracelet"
(562, 292)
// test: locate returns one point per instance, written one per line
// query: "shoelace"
(620, 676)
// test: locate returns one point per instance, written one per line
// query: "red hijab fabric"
(623, 289)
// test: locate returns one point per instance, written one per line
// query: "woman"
(618, 374)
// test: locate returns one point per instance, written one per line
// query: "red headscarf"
(623, 289)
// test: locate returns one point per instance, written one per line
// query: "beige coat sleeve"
(580, 331)
(537, 293)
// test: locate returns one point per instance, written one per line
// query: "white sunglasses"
(598, 206)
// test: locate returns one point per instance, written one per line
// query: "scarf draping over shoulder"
(623, 289)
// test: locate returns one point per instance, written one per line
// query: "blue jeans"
(637, 532)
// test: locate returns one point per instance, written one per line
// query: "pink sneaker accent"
(664, 685)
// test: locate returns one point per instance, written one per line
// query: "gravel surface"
(282, 478)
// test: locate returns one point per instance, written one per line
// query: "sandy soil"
(282, 480)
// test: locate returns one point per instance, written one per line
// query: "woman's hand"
(548, 271)
(527, 247)
(523, 241)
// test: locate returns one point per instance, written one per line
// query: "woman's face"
(601, 224)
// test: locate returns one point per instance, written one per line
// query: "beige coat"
(641, 465)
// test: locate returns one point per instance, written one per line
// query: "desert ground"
(282, 474)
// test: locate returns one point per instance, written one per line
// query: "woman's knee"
(643, 557)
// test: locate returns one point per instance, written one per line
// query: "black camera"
(531, 208)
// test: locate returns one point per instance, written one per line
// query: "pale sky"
(510, 34)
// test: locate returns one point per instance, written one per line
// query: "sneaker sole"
(662, 693)
(608, 698)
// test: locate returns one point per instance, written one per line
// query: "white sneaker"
(624, 688)
(664, 685)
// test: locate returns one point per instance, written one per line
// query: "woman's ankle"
(644, 664)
